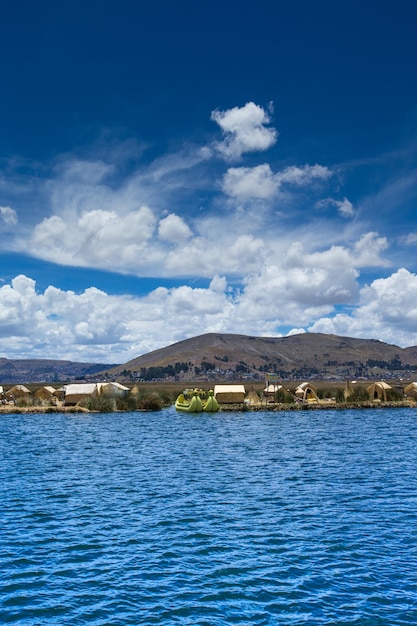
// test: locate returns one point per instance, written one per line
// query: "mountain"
(46, 370)
(226, 357)
(220, 357)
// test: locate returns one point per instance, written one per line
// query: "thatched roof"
(45, 392)
(112, 389)
(19, 390)
(378, 390)
(307, 391)
(228, 394)
(411, 389)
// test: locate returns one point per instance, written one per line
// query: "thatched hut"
(411, 390)
(307, 392)
(229, 394)
(378, 391)
(112, 389)
(18, 392)
(252, 398)
(46, 394)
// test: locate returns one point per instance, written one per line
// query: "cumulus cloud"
(250, 182)
(244, 130)
(387, 311)
(173, 228)
(368, 249)
(93, 325)
(260, 182)
(97, 238)
(270, 262)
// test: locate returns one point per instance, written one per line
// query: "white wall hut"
(271, 389)
(229, 394)
(78, 391)
(378, 391)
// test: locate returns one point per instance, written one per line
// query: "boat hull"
(210, 405)
(192, 405)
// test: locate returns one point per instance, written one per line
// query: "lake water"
(235, 518)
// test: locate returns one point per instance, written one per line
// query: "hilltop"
(46, 370)
(217, 356)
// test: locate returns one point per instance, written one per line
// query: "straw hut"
(378, 391)
(18, 392)
(252, 398)
(60, 393)
(229, 394)
(112, 389)
(46, 394)
(411, 390)
(307, 392)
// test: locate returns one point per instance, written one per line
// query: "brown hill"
(217, 356)
(46, 370)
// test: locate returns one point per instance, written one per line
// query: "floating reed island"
(273, 396)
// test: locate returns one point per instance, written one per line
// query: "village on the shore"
(113, 396)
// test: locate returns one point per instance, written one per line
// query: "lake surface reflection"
(234, 518)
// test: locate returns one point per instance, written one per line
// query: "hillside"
(46, 370)
(216, 356)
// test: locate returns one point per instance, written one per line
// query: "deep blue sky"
(174, 168)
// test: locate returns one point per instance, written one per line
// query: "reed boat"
(196, 400)
(210, 405)
(189, 404)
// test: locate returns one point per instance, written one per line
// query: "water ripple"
(165, 518)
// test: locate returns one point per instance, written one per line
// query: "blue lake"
(235, 518)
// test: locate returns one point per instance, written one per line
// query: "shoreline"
(225, 408)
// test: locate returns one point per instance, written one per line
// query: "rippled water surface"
(235, 518)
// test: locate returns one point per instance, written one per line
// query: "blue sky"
(174, 168)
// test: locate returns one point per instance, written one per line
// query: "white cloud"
(245, 130)
(250, 182)
(409, 240)
(301, 176)
(368, 249)
(97, 238)
(173, 228)
(8, 217)
(388, 311)
(95, 326)
(260, 182)
(344, 207)
(276, 262)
